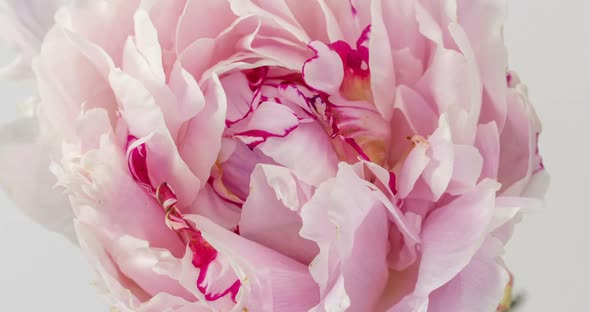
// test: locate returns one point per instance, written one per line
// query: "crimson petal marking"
(261, 136)
(137, 163)
(257, 98)
(203, 253)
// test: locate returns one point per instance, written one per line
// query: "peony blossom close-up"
(276, 155)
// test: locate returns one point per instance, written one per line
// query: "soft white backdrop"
(549, 45)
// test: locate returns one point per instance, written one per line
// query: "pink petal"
(467, 168)
(276, 11)
(347, 222)
(73, 76)
(483, 23)
(239, 165)
(381, 63)
(488, 142)
(106, 24)
(24, 24)
(27, 180)
(270, 215)
(275, 282)
(268, 120)
(307, 151)
(452, 234)
(412, 169)
(324, 71)
(195, 21)
(144, 118)
(479, 286)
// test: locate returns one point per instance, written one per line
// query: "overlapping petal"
(258, 155)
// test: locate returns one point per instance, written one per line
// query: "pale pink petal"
(324, 71)
(452, 234)
(88, 179)
(23, 25)
(412, 169)
(478, 287)
(307, 151)
(200, 151)
(189, 97)
(275, 11)
(125, 293)
(195, 21)
(519, 158)
(269, 120)
(418, 113)
(241, 100)
(381, 63)
(72, 75)
(467, 168)
(439, 171)
(346, 14)
(270, 215)
(106, 24)
(451, 83)
(271, 281)
(146, 40)
(136, 259)
(347, 222)
(509, 212)
(483, 24)
(488, 143)
(385, 189)
(238, 166)
(144, 118)
(317, 19)
(27, 180)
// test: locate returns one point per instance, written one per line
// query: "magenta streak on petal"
(166, 196)
(393, 183)
(203, 252)
(256, 77)
(263, 135)
(342, 48)
(308, 100)
(364, 39)
(253, 105)
(352, 59)
(357, 148)
(314, 57)
(137, 163)
(352, 8)
(233, 289)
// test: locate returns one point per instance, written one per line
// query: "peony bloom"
(254, 155)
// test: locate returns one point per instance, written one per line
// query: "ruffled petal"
(478, 287)
(347, 222)
(307, 151)
(324, 71)
(270, 215)
(452, 234)
(270, 281)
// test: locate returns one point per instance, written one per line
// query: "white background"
(549, 45)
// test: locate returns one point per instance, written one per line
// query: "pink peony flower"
(252, 155)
